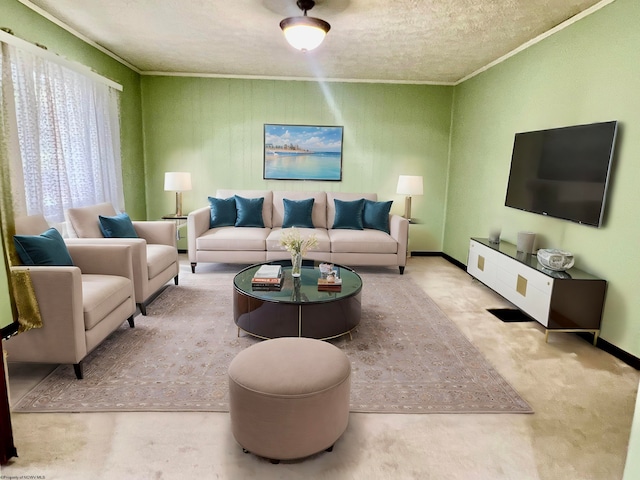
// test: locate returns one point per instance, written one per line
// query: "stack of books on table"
(330, 284)
(268, 277)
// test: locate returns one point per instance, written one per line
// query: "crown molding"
(77, 34)
(539, 38)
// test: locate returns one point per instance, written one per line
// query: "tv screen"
(563, 172)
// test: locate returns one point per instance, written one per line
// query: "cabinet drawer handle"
(521, 286)
(481, 263)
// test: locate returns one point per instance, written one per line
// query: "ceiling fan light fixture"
(304, 33)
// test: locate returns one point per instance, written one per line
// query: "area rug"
(406, 355)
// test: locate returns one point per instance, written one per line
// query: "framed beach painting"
(302, 152)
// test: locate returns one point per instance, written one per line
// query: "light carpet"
(407, 357)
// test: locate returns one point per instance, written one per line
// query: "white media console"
(570, 301)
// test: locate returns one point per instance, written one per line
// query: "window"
(68, 133)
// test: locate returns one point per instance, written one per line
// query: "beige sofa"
(254, 244)
(155, 254)
(79, 305)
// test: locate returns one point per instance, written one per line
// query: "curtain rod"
(42, 52)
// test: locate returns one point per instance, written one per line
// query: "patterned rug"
(407, 357)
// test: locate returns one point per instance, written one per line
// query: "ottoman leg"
(330, 449)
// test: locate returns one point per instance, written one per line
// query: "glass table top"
(303, 289)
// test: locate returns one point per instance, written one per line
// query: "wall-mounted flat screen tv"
(563, 172)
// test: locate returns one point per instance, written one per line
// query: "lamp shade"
(410, 185)
(177, 181)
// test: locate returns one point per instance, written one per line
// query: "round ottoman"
(289, 397)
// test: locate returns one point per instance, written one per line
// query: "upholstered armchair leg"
(77, 368)
(143, 309)
(401, 270)
(193, 267)
(132, 324)
(175, 279)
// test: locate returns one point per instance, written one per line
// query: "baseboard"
(448, 258)
(182, 251)
(602, 344)
(611, 349)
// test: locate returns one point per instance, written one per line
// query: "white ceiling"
(413, 41)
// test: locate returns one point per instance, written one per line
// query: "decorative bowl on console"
(554, 259)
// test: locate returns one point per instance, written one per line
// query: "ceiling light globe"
(304, 33)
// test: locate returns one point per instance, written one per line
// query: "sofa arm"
(102, 259)
(138, 257)
(399, 231)
(61, 338)
(198, 222)
(157, 232)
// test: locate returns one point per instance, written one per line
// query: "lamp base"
(407, 207)
(178, 204)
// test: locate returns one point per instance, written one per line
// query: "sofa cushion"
(48, 248)
(266, 205)
(118, 226)
(233, 239)
(297, 213)
(331, 204)
(324, 244)
(376, 215)
(318, 213)
(223, 212)
(349, 214)
(361, 241)
(84, 220)
(101, 294)
(249, 212)
(31, 224)
(159, 258)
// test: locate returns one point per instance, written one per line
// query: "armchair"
(80, 305)
(154, 253)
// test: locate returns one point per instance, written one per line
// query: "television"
(563, 172)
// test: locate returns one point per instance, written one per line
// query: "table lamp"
(177, 182)
(409, 185)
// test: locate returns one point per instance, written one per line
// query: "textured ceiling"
(430, 41)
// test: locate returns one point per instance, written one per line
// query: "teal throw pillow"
(297, 213)
(223, 212)
(349, 214)
(119, 226)
(249, 212)
(376, 215)
(47, 248)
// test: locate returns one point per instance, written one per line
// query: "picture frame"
(302, 152)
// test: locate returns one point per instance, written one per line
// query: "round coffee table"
(298, 309)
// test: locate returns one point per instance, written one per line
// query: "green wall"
(213, 128)
(585, 73)
(28, 25)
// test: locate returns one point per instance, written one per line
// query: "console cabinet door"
(526, 288)
(482, 263)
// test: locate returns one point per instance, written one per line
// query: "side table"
(181, 221)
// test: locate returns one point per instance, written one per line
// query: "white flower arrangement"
(293, 242)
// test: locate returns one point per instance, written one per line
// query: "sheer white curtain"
(69, 135)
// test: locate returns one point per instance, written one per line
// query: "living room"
(458, 137)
